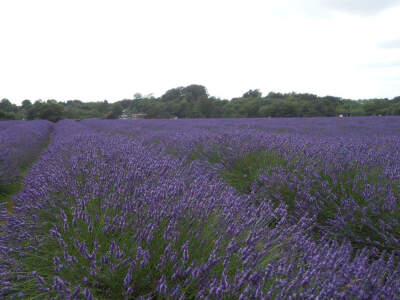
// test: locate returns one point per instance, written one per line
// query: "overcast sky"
(96, 50)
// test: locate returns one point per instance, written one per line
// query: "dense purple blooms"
(140, 209)
(20, 142)
(7, 124)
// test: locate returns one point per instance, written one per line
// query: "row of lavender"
(344, 173)
(119, 209)
(7, 124)
(20, 142)
(359, 126)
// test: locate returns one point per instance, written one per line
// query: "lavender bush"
(20, 142)
(7, 124)
(208, 209)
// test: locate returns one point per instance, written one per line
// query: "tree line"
(193, 101)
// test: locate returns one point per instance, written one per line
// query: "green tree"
(33, 111)
(26, 104)
(252, 94)
(7, 106)
(116, 111)
(7, 115)
(191, 93)
(377, 107)
(195, 92)
(103, 107)
(173, 94)
(396, 99)
(51, 111)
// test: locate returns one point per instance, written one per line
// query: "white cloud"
(391, 44)
(388, 64)
(363, 7)
(96, 50)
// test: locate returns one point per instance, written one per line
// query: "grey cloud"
(361, 7)
(392, 44)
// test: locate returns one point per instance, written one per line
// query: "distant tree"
(252, 94)
(227, 111)
(395, 109)
(377, 107)
(33, 112)
(116, 111)
(103, 107)
(7, 106)
(125, 103)
(26, 104)
(2, 115)
(173, 94)
(303, 96)
(194, 92)
(74, 102)
(157, 110)
(193, 101)
(205, 107)
(396, 99)
(276, 95)
(333, 99)
(51, 111)
(7, 115)
(191, 93)
(183, 109)
(265, 111)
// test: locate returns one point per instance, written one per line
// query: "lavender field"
(201, 209)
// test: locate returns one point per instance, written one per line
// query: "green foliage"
(8, 111)
(116, 111)
(350, 108)
(252, 94)
(193, 101)
(7, 115)
(51, 111)
(377, 107)
(7, 106)
(190, 93)
(329, 188)
(245, 170)
(26, 104)
(352, 184)
(201, 234)
(7, 190)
